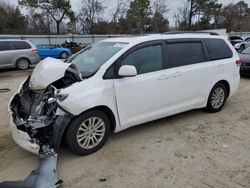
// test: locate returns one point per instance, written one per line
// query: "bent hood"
(48, 71)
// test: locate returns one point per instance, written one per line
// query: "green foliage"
(204, 10)
(159, 24)
(236, 17)
(11, 20)
(138, 15)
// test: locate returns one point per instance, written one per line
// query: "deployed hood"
(49, 71)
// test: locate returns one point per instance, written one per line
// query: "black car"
(245, 62)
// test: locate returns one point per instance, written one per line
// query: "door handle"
(164, 77)
(177, 74)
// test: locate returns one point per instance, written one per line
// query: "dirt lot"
(193, 149)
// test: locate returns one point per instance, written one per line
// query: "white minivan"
(119, 83)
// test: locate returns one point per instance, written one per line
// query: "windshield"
(246, 51)
(93, 57)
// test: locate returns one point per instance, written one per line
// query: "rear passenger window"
(218, 49)
(185, 53)
(20, 45)
(5, 45)
(147, 59)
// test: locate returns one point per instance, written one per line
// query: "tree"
(160, 7)
(11, 19)
(57, 9)
(236, 17)
(159, 24)
(204, 11)
(120, 10)
(138, 15)
(37, 23)
(181, 17)
(89, 13)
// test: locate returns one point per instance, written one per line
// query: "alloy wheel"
(218, 98)
(91, 132)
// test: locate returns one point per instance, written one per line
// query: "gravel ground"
(193, 149)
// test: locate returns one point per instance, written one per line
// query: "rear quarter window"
(218, 49)
(20, 45)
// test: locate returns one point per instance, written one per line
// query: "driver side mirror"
(127, 71)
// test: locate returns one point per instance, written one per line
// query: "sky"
(172, 6)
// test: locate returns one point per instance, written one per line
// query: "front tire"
(88, 133)
(217, 98)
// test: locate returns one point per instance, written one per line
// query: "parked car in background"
(245, 62)
(46, 50)
(242, 45)
(118, 83)
(235, 39)
(74, 47)
(18, 54)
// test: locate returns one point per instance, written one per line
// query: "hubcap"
(90, 132)
(218, 97)
(64, 55)
(23, 64)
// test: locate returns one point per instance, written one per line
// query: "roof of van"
(141, 38)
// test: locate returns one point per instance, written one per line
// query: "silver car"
(18, 54)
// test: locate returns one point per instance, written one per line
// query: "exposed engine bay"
(37, 112)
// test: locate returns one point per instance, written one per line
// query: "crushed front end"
(36, 118)
(38, 122)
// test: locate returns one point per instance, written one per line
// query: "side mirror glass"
(127, 71)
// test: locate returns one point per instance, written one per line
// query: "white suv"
(119, 83)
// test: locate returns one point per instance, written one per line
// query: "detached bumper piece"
(43, 177)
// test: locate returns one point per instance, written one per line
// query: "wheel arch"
(23, 57)
(104, 109)
(226, 83)
(64, 51)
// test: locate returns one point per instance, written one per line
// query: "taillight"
(238, 62)
(35, 50)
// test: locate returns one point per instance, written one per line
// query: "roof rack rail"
(190, 32)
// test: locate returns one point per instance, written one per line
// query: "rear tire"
(22, 63)
(217, 98)
(88, 133)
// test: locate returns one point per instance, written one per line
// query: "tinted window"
(20, 45)
(185, 53)
(5, 45)
(218, 49)
(147, 59)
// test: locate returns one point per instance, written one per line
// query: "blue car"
(46, 50)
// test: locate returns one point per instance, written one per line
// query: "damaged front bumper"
(41, 134)
(22, 138)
